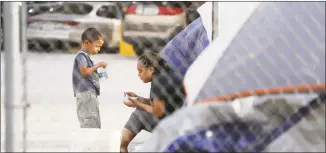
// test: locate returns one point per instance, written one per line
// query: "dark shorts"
(88, 110)
(141, 120)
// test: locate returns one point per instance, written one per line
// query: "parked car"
(61, 28)
(150, 25)
(192, 13)
(38, 7)
(33, 8)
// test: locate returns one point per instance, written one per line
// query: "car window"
(74, 8)
(108, 11)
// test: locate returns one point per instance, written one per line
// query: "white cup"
(127, 101)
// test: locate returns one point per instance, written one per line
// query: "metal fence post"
(24, 48)
(215, 19)
(1, 30)
(12, 76)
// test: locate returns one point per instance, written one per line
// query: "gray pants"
(88, 110)
(141, 120)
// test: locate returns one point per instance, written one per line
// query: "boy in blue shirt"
(85, 79)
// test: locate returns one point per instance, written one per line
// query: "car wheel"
(139, 51)
(174, 33)
(2, 47)
(111, 50)
(192, 15)
(104, 48)
(1, 40)
(31, 47)
(1, 44)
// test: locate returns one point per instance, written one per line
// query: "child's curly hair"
(152, 59)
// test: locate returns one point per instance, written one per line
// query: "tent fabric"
(240, 136)
(232, 16)
(281, 44)
(181, 51)
(206, 13)
(258, 114)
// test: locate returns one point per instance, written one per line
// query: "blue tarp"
(281, 44)
(184, 48)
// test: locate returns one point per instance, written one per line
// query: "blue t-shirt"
(81, 83)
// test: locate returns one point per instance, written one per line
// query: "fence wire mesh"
(269, 77)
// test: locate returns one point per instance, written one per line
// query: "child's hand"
(131, 94)
(129, 104)
(102, 64)
(133, 101)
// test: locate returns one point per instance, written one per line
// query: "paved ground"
(52, 120)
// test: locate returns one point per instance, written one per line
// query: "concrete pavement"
(51, 120)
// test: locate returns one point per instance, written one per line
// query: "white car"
(61, 28)
(151, 25)
(35, 8)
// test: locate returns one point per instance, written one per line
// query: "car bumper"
(57, 39)
(135, 42)
(72, 36)
(51, 35)
(132, 46)
(126, 48)
(145, 41)
(179, 19)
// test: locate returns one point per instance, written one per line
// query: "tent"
(181, 51)
(265, 91)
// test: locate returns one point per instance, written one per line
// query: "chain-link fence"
(259, 85)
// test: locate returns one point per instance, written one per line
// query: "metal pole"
(215, 19)
(24, 48)
(12, 76)
(1, 30)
